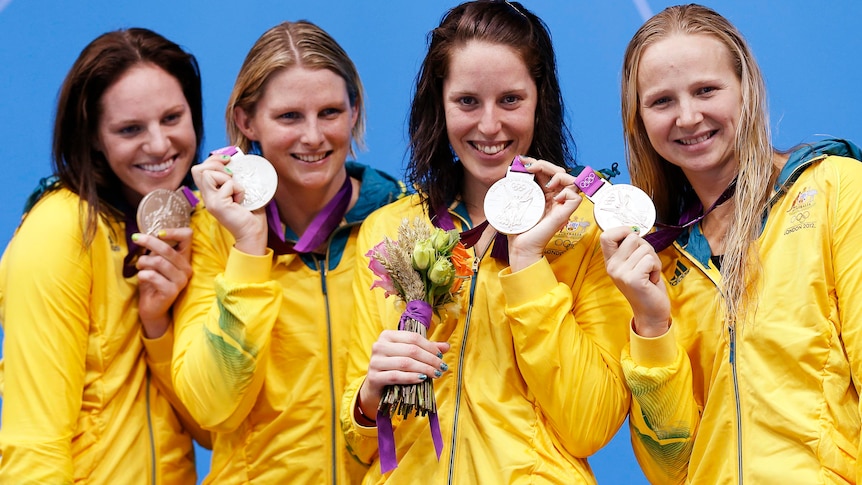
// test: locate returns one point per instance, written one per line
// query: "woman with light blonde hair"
(744, 360)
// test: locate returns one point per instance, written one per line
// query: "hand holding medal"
(254, 175)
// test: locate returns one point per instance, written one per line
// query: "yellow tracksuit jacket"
(534, 384)
(85, 397)
(776, 399)
(261, 348)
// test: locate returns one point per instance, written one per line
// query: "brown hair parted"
(667, 184)
(432, 168)
(79, 166)
(286, 45)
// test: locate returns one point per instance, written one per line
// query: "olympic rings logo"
(587, 181)
(564, 243)
(800, 217)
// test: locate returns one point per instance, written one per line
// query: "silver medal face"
(514, 204)
(623, 205)
(163, 209)
(256, 176)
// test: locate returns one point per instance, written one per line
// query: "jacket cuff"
(360, 429)
(658, 351)
(246, 268)
(528, 284)
(160, 349)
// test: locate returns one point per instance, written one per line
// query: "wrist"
(651, 329)
(362, 419)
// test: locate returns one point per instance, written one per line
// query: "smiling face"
(690, 99)
(145, 131)
(303, 122)
(490, 100)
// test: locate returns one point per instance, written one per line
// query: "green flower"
(423, 255)
(442, 273)
(444, 241)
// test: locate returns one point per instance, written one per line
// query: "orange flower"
(462, 269)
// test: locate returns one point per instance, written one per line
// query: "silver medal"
(623, 205)
(515, 203)
(256, 176)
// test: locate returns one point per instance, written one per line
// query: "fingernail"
(547, 185)
(162, 234)
(528, 164)
(422, 377)
(439, 355)
(437, 373)
(444, 367)
(228, 171)
(636, 229)
(225, 157)
(136, 236)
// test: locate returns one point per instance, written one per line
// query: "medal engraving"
(256, 176)
(163, 209)
(514, 204)
(623, 205)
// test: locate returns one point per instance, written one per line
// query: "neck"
(298, 206)
(473, 197)
(716, 225)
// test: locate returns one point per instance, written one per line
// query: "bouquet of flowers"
(425, 268)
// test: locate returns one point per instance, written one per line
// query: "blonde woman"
(262, 333)
(744, 362)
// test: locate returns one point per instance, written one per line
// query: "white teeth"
(310, 158)
(156, 167)
(490, 149)
(696, 140)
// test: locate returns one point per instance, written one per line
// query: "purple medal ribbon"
(469, 238)
(420, 311)
(321, 227)
(668, 233)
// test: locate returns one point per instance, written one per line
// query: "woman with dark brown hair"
(85, 297)
(525, 365)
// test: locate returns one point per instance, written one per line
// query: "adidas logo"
(679, 273)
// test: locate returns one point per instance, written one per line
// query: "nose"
(689, 113)
(157, 142)
(489, 122)
(312, 135)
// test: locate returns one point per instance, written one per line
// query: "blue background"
(809, 51)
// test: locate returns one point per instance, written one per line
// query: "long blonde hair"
(286, 45)
(667, 184)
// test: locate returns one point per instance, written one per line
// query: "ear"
(354, 116)
(244, 123)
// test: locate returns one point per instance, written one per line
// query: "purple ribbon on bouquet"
(421, 312)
